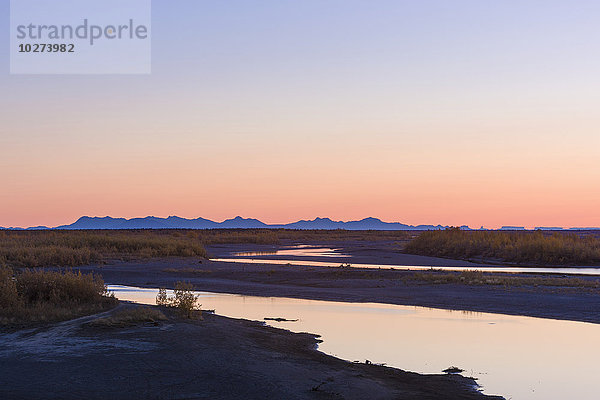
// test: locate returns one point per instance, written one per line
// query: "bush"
(32, 249)
(59, 287)
(184, 299)
(37, 295)
(161, 297)
(9, 297)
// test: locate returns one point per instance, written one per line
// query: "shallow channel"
(516, 357)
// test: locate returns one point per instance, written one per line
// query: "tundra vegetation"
(538, 248)
(478, 278)
(30, 296)
(65, 248)
(74, 248)
(129, 317)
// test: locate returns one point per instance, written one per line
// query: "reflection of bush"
(519, 247)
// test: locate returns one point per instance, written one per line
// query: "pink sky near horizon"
(404, 111)
(453, 194)
(403, 168)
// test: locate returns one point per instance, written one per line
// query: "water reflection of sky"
(517, 357)
(298, 251)
(542, 270)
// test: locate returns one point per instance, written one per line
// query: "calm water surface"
(300, 250)
(563, 271)
(517, 357)
(316, 251)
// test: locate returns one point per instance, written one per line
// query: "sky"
(421, 112)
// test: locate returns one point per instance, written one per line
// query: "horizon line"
(268, 225)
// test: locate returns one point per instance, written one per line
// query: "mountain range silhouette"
(238, 222)
(174, 222)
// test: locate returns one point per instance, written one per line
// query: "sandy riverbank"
(226, 358)
(356, 285)
(216, 358)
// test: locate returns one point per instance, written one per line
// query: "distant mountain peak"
(238, 222)
(370, 219)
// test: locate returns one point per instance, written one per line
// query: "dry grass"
(33, 249)
(129, 317)
(41, 313)
(232, 236)
(74, 248)
(483, 278)
(187, 271)
(275, 236)
(516, 247)
(341, 235)
(37, 296)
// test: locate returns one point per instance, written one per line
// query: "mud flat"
(366, 285)
(213, 358)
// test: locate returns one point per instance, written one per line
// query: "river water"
(516, 357)
(258, 257)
